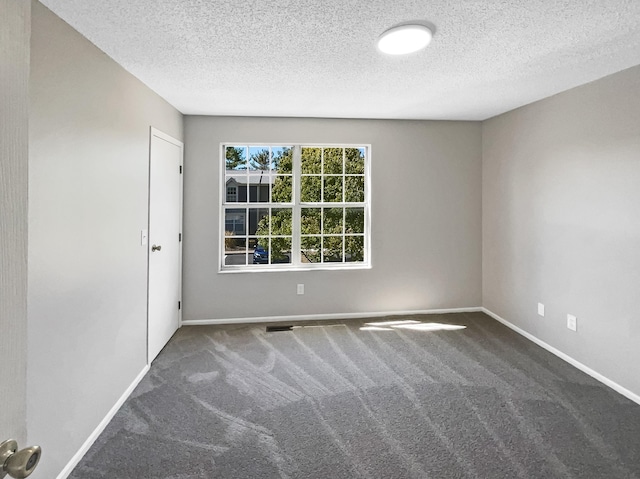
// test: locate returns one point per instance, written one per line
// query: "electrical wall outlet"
(300, 288)
(540, 309)
(572, 322)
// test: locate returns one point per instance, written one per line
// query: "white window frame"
(296, 205)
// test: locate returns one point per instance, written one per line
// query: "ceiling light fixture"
(404, 39)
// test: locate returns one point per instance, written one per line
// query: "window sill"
(292, 269)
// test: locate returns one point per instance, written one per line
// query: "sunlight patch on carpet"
(411, 325)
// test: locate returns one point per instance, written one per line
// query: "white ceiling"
(317, 58)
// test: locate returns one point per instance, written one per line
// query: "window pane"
(311, 160)
(236, 184)
(282, 159)
(280, 250)
(310, 189)
(259, 188)
(354, 220)
(259, 221)
(236, 158)
(333, 188)
(311, 220)
(282, 189)
(354, 192)
(333, 220)
(354, 161)
(259, 250)
(310, 249)
(235, 222)
(332, 251)
(259, 158)
(235, 250)
(354, 248)
(242, 191)
(281, 221)
(231, 192)
(333, 161)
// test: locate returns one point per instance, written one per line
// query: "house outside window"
(295, 207)
(232, 193)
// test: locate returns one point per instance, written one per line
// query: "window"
(232, 194)
(290, 207)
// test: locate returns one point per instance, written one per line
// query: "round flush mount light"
(404, 39)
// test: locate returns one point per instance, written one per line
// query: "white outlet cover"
(572, 322)
(541, 309)
(300, 289)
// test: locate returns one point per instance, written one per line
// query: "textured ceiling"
(317, 58)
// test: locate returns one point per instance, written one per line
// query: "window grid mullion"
(296, 221)
(344, 169)
(296, 206)
(321, 234)
(322, 175)
(344, 233)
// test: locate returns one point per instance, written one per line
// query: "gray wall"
(426, 221)
(89, 140)
(15, 27)
(561, 222)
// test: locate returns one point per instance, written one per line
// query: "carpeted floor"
(330, 401)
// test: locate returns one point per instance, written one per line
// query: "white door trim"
(154, 132)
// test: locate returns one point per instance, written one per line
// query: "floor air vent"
(273, 329)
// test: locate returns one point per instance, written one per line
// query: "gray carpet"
(334, 401)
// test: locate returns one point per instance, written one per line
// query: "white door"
(165, 240)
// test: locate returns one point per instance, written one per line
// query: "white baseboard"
(103, 424)
(318, 317)
(577, 364)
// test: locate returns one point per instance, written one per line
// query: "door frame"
(154, 132)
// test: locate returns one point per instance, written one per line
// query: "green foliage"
(332, 250)
(354, 189)
(333, 188)
(332, 223)
(311, 247)
(354, 220)
(310, 221)
(280, 247)
(235, 158)
(260, 160)
(275, 229)
(311, 189)
(283, 161)
(333, 161)
(281, 222)
(311, 161)
(263, 228)
(312, 164)
(354, 248)
(282, 190)
(354, 161)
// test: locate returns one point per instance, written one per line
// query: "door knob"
(156, 248)
(18, 464)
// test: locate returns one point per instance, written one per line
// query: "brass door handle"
(156, 248)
